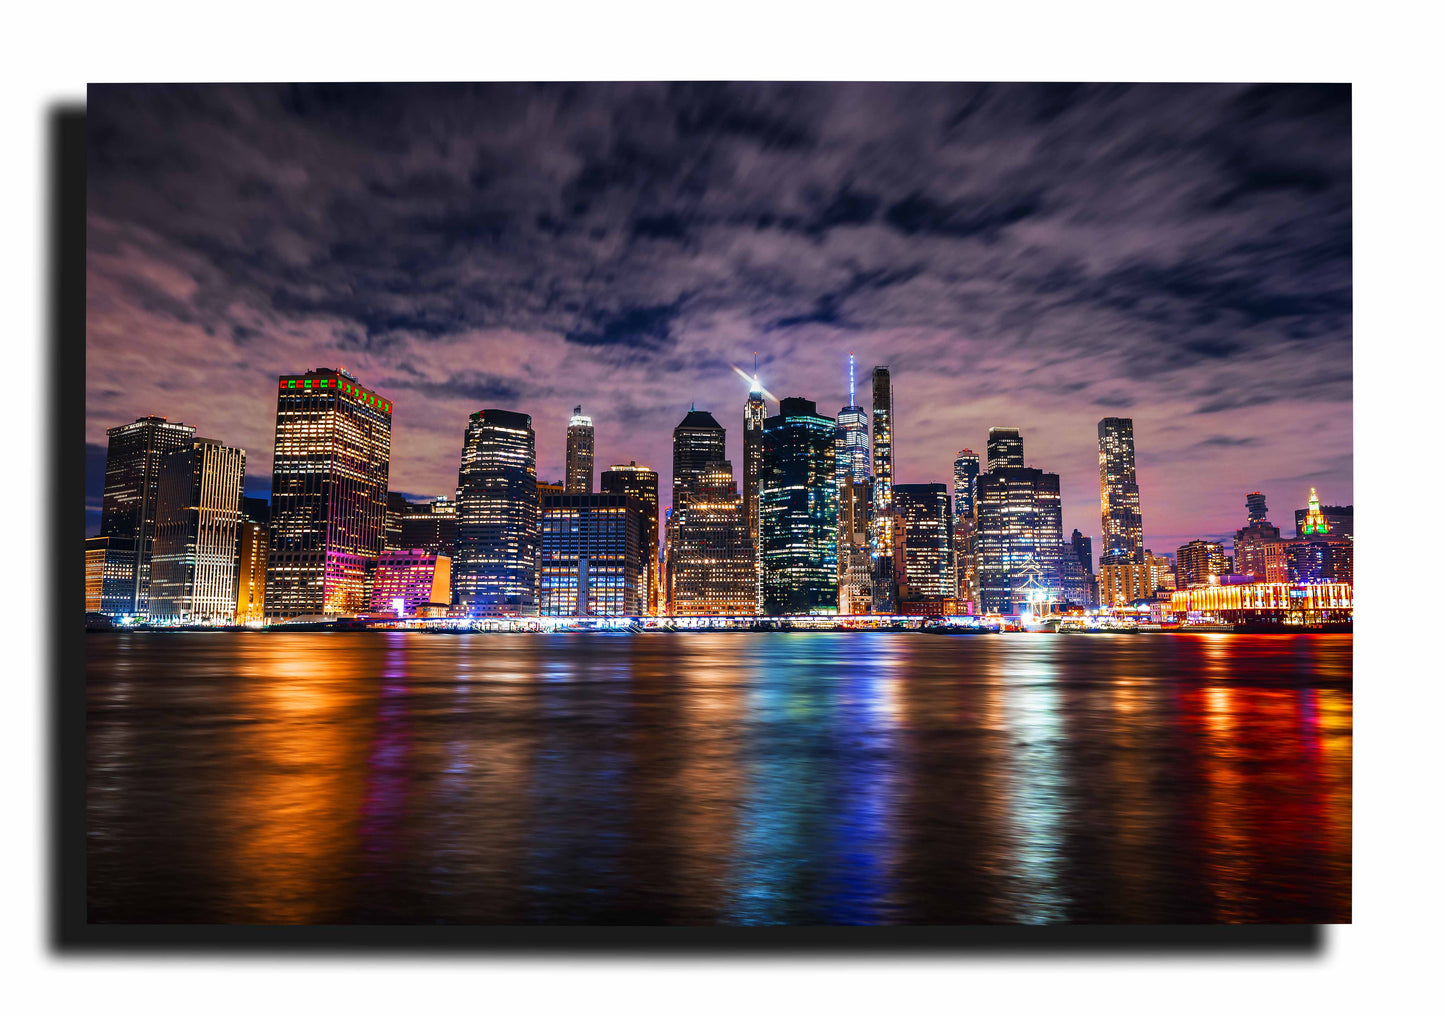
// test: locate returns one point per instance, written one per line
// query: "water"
(803, 778)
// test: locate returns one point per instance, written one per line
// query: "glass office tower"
(494, 572)
(798, 516)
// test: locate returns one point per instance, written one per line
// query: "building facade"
(928, 572)
(1019, 519)
(128, 509)
(855, 556)
(1199, 562)
(1005, 448)
(711, 559)
(755, 412)
(198, 519)
(580, 440)
(885, 572)
(1316, 519)
(1123, 526)
(430, 526)
(640, 483)
(965, 484)
(799, 510)
(328, 495)
(494, 572)
(697, 442)
(592, 556)
(411, 583)
(252, 545)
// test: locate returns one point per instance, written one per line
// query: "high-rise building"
(593, 549)
(579, 453)
(855, 556)
(1162, 575)
(852, 451)
(711, 560)
(885, 576)
(1119, 493)
(1005, 448)
(1125, 583)
(754, 413)
(928, 575)
(198, 516)
(965, 558)
(411, 583)
(328, 494)
(697, 442)
(494, 572)
(640, 482)
(430, 526)
(251, 550)
(1321, 520)
(965, 484)
(1200, 561)
(128, 509)
(1315, 561)
(1019, 520)
(95, 559)
(1080, 586)
(1255, 505)
(397, 509)
(799, 511)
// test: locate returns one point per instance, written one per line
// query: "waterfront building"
(965, 485)
(411, 583)
(1019, 518)
(855, 557)
(1124, 583)
(1123, 526)
(1312, 561)
(494, 572)
(579, 453)
(1200, 562)
(1162, 574)
(640, 482)
(928, 545)
(198, 516)
(128, 509)
(328, 494)
(1324, 520)
(95, 558)
(755, 412)
(1005, 448)
(711, 559)
(885, 573)
(1278, 602)
(252, 544)
(798, 515)
(593, 549)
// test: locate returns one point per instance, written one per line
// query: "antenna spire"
(852, 399)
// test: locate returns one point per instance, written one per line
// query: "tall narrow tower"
(885, 579)
(1119, 493)
(754, 413)
(579, 453)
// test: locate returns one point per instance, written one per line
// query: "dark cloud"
(1019, 255)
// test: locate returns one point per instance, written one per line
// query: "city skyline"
(1208, 301)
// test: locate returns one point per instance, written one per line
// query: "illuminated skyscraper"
(640, 482)
(798, 516)
(1119, 493)
(128, 509)
(928, 574)
(1005, 448)
(852, 441)
(885, 579)
(754, 413)
(592, 556)
(712, 561)
(855, 557)
(198, 517)
(965, 484)
(579, 453)
(328, 494)
(1199, 562)
(251, 550)
(1019, 520)
(697, 442)
(494, 572)
(1320, 520)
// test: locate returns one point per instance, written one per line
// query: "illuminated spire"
(852, 398)
(757, 388)
(1315, 524)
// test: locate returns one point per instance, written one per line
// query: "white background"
(1383, 962)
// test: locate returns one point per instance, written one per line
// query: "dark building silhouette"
(1255, 505)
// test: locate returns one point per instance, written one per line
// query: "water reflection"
(713, 778)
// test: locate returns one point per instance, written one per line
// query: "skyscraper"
(328, 494)
(928, 575)
(1005, 448)
(592, 556)
(1019, 520)
(251, 550)
(754, 413)
(198, 516)
(494, 572)
(711, 558)
(1119, 493)
(579, 453)
(640, 482)
(1199, 562)
(855, 557)
(697, 442)
(852, 441)
(798, 516)
(1255, 504)
(430, 526)
(965, 484)
(885, 579)
(128, 509)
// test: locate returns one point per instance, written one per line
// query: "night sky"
(1030, 256)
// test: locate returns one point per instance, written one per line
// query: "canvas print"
(718, 504)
